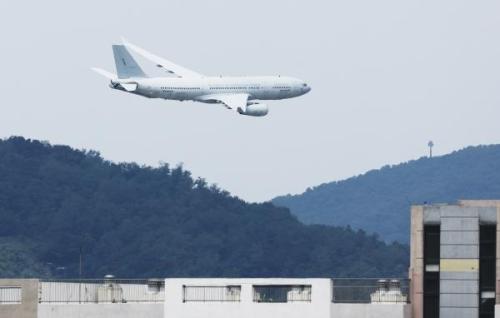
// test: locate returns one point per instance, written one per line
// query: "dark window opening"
(432, 242)
(487, 270)
(281, 293)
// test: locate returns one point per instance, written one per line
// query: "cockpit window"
(305, 85)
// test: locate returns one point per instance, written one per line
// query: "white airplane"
(243, 94)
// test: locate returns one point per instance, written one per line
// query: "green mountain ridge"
(138, 221)
(379, 201)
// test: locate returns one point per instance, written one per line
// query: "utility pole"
(80, 277)
(81, 264)
(430, 144)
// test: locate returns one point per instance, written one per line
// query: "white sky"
(387, 76)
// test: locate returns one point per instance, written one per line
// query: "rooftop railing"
(102, 291)
(10, 295)
(281, 293)
(371, 290)
(111, 290)
(230, 293)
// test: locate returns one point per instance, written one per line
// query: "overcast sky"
(386, 77)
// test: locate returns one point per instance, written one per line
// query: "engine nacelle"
(256, 109)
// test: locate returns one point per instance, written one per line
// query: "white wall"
(319, 307)
(370, 310)
(100, 310)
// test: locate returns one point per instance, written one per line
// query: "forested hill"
(134, 221)
(379, 201)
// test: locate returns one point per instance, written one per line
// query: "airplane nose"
(307, 89)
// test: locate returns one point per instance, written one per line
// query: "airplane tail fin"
(126, 66)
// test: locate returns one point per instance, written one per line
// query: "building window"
(10, 295)
(432, 245)
(230, 293)
(432, 239)
(487, 269)
(281, 293)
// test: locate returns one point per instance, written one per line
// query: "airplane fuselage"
(257, 87)
(242, 94)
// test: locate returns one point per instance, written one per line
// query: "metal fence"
(102, 291)
(10, 295)
(231, 293)
(281, 293)
(370, 290)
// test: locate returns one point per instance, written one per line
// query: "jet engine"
(255, 109)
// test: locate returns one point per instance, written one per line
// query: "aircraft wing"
(170, 67)
(237, 102)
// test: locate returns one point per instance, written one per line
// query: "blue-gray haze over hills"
(379, 200)
(139, 221)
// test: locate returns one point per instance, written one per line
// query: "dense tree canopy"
(17, 259)
(379, 201)
(136, 221)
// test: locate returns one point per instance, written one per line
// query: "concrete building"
(453, 273)
(272, 297)
(201, 298)
(18, 298)
(454, 259)
(104, 298)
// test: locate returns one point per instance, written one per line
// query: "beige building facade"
(20, 298)
(454, 259)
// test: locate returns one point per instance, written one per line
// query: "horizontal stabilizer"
(104, 73)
